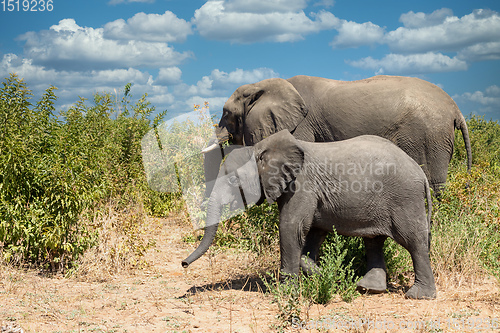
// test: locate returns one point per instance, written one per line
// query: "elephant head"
(256, 111)
(252, 113)
(249, 175)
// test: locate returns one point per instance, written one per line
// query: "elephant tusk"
(209, 148)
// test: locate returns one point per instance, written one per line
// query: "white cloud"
(427, 43)
(413, 20)
(215, 103)
(117, 76)
(352, 34)
(481, 52)
(69, 46)
(481, 102)
(493, 91)
(411, 64)
(453, 34)
(161, 98)
(490, 97)
(220, 84)
(71, 84)
(202, 87)
(169, 76)
(11, 63)
(216, 20)
(240, 76)
(166, 27)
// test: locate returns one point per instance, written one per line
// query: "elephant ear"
(271, 105)
(280, 158)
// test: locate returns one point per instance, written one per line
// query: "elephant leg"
(424, 286)
(374, 280)
(296, 216)
(314, 239)
(437, 179)
(290, 248)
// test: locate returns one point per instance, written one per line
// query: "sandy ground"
(220, 292)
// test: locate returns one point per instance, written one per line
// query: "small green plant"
(287, 294)
(333, 277)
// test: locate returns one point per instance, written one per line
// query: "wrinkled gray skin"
(317, 188)
(416, 115)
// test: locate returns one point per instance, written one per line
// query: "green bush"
(56, 167)
(333, 277)
(40, 201)
(466, 230)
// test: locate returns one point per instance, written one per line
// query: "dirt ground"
(220, 292)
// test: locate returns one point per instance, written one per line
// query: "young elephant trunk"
(213, 216)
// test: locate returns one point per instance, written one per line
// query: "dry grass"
(221, 292)
(455, 270)
(124, 238)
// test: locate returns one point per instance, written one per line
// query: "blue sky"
(186, 52)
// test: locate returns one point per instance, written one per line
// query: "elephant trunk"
(213, 216)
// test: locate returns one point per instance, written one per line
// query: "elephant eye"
(233, 181)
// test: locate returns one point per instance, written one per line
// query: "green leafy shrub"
(40, 201)
(56, 167)
(333, 277)
(466, 230)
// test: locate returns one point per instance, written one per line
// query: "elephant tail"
(462, 126)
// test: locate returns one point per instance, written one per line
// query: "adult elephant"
(416, 115)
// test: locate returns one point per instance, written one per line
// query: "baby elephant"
(365, 186)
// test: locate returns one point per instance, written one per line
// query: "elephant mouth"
(217, 144)
(222, 137)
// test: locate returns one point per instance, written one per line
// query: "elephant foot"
(373, 282)
(308, 265)
(421, 292)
